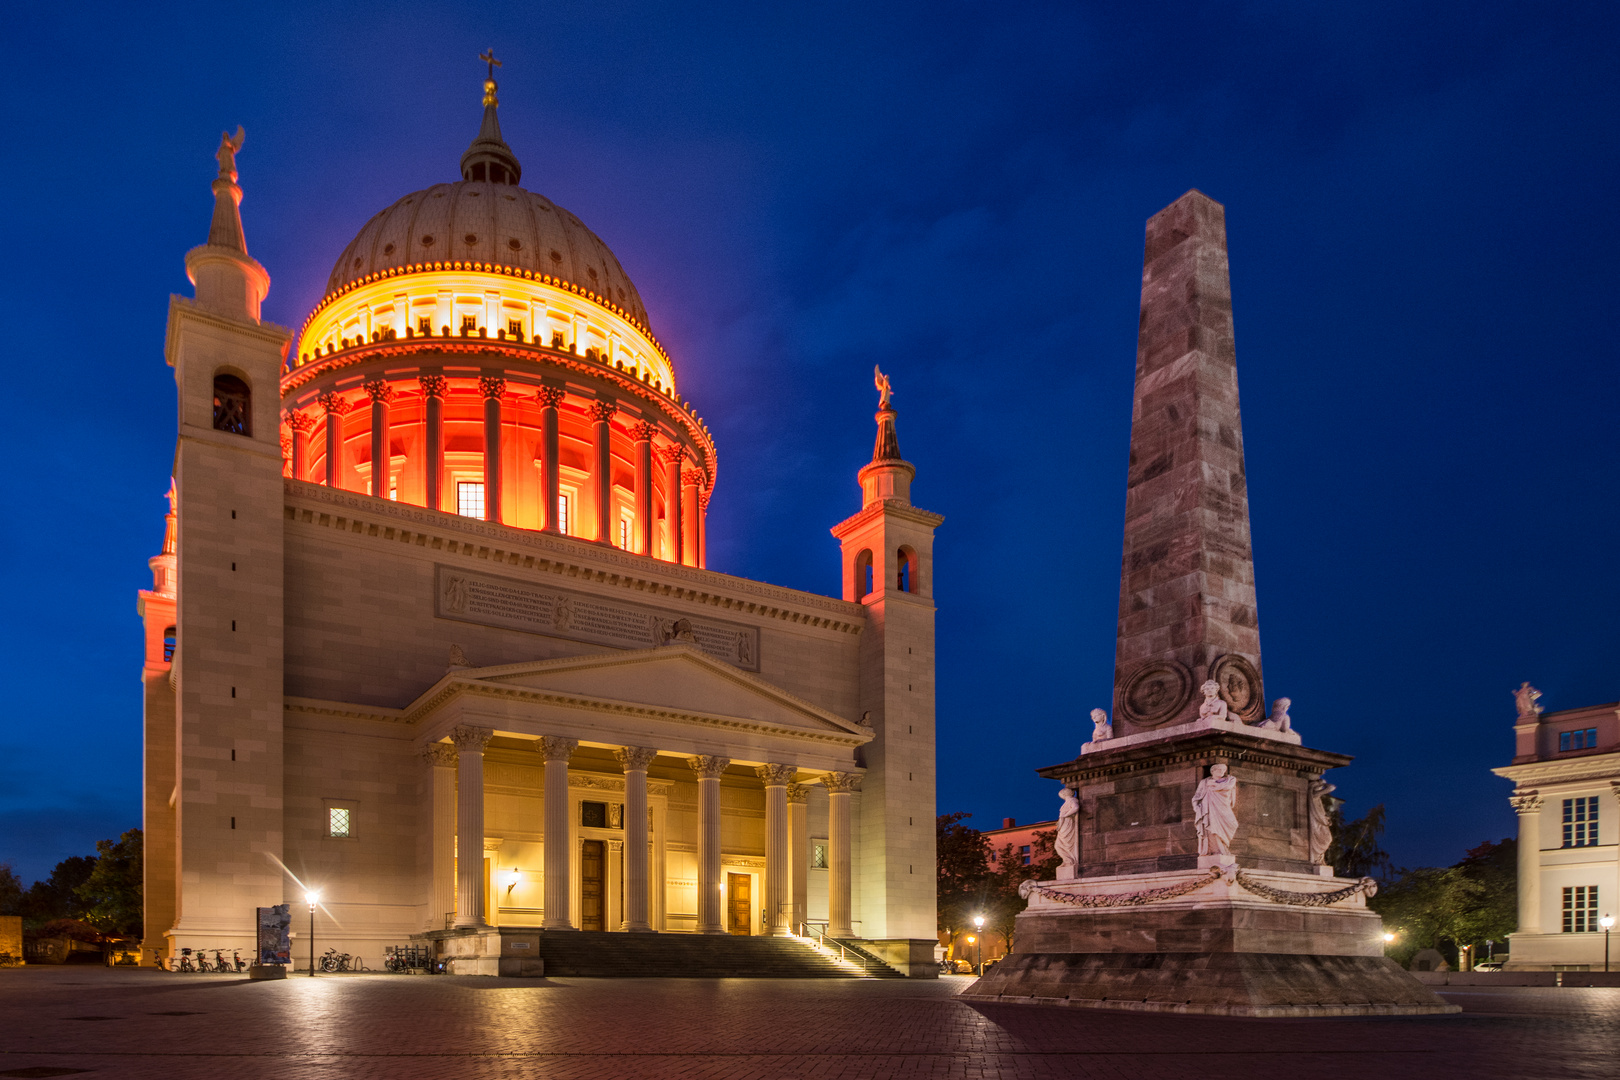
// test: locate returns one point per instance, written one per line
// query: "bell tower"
(888, 567)
(223, 764)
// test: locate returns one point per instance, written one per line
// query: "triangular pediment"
(677, 679)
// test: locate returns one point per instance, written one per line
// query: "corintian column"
(555, 750)
(643, 433)
(1527, 804)
(442, 758)
(381, 459)
(703, 527)
(470, 742)
(798, 797)
(602, 437)
(549, 398)
(708, 768)
(634, 761)
(672, 456)
(839, 785)
(302, 424)
(433, 387)
(776, 779)
(335, 405)
(691, 481)
(493, 389)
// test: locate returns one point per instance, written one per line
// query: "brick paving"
(140, 1024)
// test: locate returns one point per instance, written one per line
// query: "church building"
(433, 636)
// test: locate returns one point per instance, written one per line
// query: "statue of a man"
(1321, 819)
(1526, 697)
(1067, 843)
(1213, 707)
(1100, 727)
(881, 381)
(1215, 811)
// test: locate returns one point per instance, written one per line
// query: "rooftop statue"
(1279, 720)
(1100, 727)
(881, 381)
(229, 147)
(1526, 696)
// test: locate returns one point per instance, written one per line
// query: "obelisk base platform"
(1218, 941)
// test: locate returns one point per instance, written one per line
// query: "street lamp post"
(1607, 922)
(978, 924)
(313, 898)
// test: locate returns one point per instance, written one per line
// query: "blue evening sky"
(1420, 203)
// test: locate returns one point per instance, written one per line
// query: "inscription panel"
(488, 600)
(1139, 809)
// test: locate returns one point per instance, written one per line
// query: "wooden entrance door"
(739, 888)
(591, 863)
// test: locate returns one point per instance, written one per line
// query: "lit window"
(337, 821)
(818, 854)
(393, 488)
(514, 328)
(562, 514)
(1578, 739)
(1581, 821)
(624, 533)
(470, 498)
(1580, 909)
(469, 323)
(424, 325)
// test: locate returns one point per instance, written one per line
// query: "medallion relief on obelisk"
(1187, 609)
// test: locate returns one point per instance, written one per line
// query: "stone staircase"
(700, 956)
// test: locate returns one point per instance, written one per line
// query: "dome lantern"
(488, 158)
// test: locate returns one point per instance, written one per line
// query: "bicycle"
(335, 961)
(236, 960)
(185, 961)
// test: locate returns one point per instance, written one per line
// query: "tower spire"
(888, 476)
(228, 280)
(488, 158)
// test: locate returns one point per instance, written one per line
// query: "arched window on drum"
(906, 567)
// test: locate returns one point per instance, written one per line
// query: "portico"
(625, 841)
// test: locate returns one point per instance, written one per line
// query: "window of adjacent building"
(337, 821)
(1579, 739)
(1023, 854)
(593, 815)
(470, 498)
(1581, 821)
(1580, 909)
(231, 405)
(563, 524)
(818, 854)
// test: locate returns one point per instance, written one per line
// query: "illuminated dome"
(479, 221)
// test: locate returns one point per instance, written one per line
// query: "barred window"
(337, 821)
(470, 499)
(232, 401)
(1581, 821)
(818, 854)
(1580, 909)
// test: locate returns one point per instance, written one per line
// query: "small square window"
(470, 499)
(514, 328)
(424, 325)
(469, 323)
(337, 821)
(818, 854)
(593, 815)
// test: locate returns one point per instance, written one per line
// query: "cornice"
(1599, 767)
(895, 508)
(186, 307)
(343, 710)
(580, 560)
(1214, 745)
(456, 686)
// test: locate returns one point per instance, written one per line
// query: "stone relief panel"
(1155, 692)
(489, 600)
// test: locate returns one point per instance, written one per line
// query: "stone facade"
(466, 727)
(1566, 776)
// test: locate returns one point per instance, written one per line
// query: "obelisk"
(1186, 598)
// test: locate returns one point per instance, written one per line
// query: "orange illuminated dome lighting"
(479, 351)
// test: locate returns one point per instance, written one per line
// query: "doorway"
(591, 915)
(740, 903)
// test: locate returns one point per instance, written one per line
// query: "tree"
(1355, 851)
(963, 862)
(111, 894)
(11, 891)
(1453, 907)
(57, 896)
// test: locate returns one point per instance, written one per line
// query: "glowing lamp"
(1607, 922)
(1388, 937)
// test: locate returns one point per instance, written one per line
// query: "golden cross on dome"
(488, 56)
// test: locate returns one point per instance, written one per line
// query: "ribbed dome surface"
(473, 221)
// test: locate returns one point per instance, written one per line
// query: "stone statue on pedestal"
(1321, 819)
(1526, 697)
(1215, 809)
(1101, 729)
(1067, 843)
(1279, 719)
(1213, 707)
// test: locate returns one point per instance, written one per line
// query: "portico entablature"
(1584, 770)
(673, 697)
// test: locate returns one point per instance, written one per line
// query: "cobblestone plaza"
(137, 1024)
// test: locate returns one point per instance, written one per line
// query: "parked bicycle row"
(198, 960)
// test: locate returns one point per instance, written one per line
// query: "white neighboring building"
(1566, 775)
